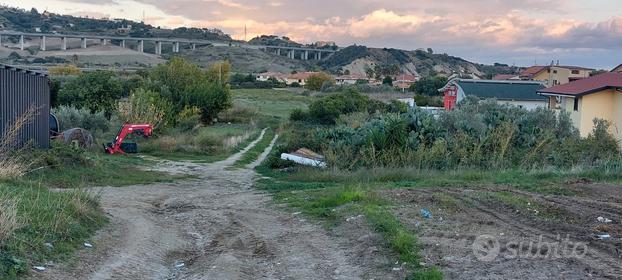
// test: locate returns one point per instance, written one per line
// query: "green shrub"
(70, 117)
(299, 115)
(211, 99)
(478, 134)
(317, 81)
(184, 84)
(97, 91)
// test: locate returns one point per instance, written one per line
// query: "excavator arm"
(114, 147)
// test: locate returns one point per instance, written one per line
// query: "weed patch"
(62, 219)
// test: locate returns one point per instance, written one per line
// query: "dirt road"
(216, 227)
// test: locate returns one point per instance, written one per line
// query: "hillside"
(353, 59)
(375, 61)
(45, 22)
(247, 60)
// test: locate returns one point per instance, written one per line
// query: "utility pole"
(245, 32)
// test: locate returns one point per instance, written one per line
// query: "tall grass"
(8, 217)
(13, 165)
(35, 216)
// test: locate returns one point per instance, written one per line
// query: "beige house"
(599, 96)
(555, 75)
(300, 78)
(267, 75)
(617, 69)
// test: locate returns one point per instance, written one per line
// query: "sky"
(515, 32)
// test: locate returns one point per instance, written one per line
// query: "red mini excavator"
(117, 145)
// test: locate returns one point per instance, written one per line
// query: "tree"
(144, 106)
(315, 81)
(97, 91)
(219, 72)
(211, 98)
(369, 72)
(185, 85)
(387, 81)
(430, 51)
(429, 85)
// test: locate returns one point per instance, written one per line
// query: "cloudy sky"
(521, 32)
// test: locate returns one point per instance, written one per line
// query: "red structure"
(144, 130)
(451, 97)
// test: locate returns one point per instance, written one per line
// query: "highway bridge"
(291, 52)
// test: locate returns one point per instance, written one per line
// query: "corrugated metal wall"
(19, 90)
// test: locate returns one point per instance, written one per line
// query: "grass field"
(207, 144)
(273, 103)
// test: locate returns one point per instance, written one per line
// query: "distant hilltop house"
(300, 78)
(523, 94)
(586, 99)
(267, 75)
(321, 44)
(351, 79)
(404, 81)
(554, 75)
(123, 30)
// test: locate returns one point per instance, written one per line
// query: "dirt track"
(216, 227)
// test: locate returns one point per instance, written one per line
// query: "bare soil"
(217, 227)
(517, 231)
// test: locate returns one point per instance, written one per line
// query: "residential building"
(599, 96)
(554, 75)
(351, 79)
(267, 75)
(22, 90)
(404, 81)
(300, 78)
(523, 94)
(321, 44)
(617, 69)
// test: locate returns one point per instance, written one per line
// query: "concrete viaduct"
(290, 52)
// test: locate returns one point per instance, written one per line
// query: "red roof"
(533, 70)
(588, 85)
(405, 78)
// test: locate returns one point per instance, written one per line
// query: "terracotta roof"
(586, 86)
(405, 78)
(533, 70)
